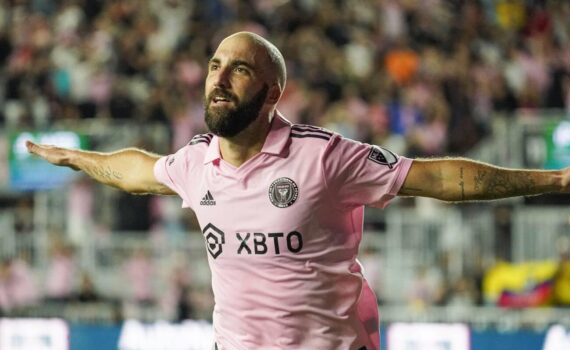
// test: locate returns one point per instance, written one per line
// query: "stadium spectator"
(86, 293)
(462, 293)
(140, 274)
(24, 213)
(175, 301)
(561, 289)
(17, 285)
(23, 285)
(60, 279)
(6, 300)
(428, 288)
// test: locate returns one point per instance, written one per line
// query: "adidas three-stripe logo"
(202, 138)
(208, 199)
(302, 131)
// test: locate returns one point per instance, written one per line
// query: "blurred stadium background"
(87, 267)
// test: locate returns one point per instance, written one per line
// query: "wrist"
(558, 183)
(73, 159)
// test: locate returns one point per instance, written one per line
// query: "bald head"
(246, 78)
(275, 61)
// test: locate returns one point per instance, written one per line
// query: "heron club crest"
(283, 192)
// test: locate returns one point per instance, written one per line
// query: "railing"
(540, 233)
(446, 237)
(411, 238)
(459, 237)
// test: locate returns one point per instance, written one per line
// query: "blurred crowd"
(519, 286)
(421, 77)
(424, 77)
(146, 286)
(141, 283)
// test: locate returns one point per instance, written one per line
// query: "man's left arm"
(458, 179)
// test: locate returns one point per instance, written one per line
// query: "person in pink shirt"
(61, 274)
(280, 205)
(139, 273)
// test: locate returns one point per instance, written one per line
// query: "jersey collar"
(274, 143)
(278, 135)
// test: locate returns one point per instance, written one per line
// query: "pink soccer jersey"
(282, 233)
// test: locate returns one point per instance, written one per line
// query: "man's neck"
(245, 145)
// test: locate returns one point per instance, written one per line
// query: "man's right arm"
(130, 169)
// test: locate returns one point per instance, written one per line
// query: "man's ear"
(274, 94)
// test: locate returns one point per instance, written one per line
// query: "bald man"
(280, 205)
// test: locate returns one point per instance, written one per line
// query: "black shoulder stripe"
(196, 138)
(193, 142)
(311, 135)
(201, 138)
(308, 128)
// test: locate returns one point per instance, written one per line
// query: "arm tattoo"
(462, 184)
(479, 179)
(104, 173)
(506, 184)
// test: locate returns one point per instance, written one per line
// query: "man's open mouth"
(220, 99)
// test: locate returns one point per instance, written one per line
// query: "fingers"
(49, 153)
(55, 155)
(32, 147)
(35, 148)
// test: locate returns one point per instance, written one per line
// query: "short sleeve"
(361, 174)
(173, 171)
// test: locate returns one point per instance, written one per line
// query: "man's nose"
(222, 79)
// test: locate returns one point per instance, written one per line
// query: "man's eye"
(240, 70)
(214, 67)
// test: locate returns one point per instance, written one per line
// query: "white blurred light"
(557, 338)
(426, 336)
(67, 139)
(36, 334)
(189, 335)
(561, 135)
(20, 150)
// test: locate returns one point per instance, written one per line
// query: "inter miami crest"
(283, 192)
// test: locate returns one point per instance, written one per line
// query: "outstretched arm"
(464, 180)
(129, 169)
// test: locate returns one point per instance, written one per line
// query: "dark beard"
(230, 122)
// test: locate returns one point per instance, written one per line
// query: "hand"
(53, 154)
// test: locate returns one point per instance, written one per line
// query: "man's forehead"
(239, 48)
